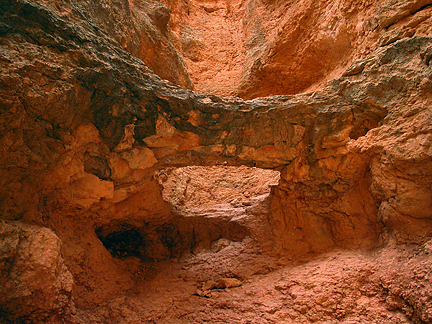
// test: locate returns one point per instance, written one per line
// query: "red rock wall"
(84, 124)
(260, 48)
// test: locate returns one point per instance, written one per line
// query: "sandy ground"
(390, 285)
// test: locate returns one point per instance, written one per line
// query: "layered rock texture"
(97, 112)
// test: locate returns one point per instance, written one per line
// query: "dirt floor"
(228, 280)
(390, 285)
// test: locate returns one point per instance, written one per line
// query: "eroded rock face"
(191, 189)
(250, 48)
(259, 48)
(140, 27)
(35, 282)
(85, 124)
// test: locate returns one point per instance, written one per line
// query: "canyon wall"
(91, 107)
(260, 48)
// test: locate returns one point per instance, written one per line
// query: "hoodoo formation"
(208, 161)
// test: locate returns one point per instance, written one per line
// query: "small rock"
(219, 245)
(355, 69)
(210, 284)
(206, 293)
(229, 283)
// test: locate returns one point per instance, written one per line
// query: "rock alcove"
(212, 206)
(98, 112)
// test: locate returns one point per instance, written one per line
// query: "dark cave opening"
(156, 242)
(209, 204)
(122, 240)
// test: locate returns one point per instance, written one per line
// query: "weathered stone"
(35, 282)
(84, 124)
(229, 283)
(209, 285)
(255, 49)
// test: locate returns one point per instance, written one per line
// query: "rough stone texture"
(191, 189)
(34, 281)
(260, 48)
(84, 125)
(390, 286)
(140, 27)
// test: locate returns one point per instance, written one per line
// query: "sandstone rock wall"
(84, 124)
(140, 27)
(250, 48)
(259, 48)
(196, 188)
(34, 279)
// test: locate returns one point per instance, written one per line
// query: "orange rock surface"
(260, 48)
(126, 197)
